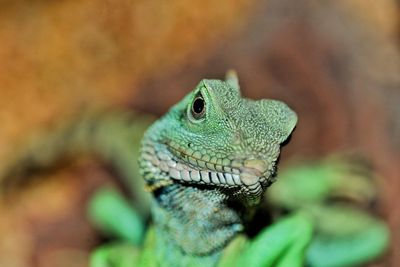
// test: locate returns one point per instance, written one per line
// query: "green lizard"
(207, 163)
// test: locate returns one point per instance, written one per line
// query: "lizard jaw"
(246, 178)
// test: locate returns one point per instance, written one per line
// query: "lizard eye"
(198, 107)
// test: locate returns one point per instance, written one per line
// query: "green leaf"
(111, 213)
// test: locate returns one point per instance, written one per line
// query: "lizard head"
(214, 136)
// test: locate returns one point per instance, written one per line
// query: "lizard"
(207, 163)
(113, 136)
(245, 169)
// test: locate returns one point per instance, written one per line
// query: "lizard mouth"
(248, 177)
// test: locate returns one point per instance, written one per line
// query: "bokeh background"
(337, 63)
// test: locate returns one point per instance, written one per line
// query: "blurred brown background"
(337, 63)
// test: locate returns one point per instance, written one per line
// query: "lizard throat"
(186, 198)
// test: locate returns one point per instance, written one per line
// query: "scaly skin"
(207, 162)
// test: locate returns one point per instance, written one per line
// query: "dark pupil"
(198, 105)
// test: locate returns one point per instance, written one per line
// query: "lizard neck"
(197, 221)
